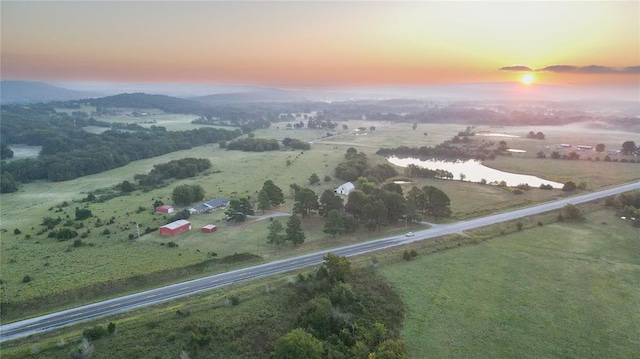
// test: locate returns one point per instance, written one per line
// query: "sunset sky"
(322, 43)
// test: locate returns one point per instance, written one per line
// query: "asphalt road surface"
(117, 305)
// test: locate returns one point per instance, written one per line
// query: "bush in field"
(406, 256)
(50, 222)
(234, 300)
(83, 213)
(94, 333)
(572, 213)
(26, 279)
(126, 187)
(63, 234)
(569, 186)
(111, 328)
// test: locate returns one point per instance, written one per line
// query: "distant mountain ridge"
(258, 95)
(147, 101)
(33, 92)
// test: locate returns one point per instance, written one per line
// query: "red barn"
(175, 228)
(165, 208)
(209, 228)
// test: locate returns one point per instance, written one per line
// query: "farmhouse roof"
(213, 204)
(218, 202)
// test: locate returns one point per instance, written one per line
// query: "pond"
(495, 135)
(474, 171)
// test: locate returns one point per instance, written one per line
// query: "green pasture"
(83, 108)
(563, 290)
(172, 122)
(58, 267)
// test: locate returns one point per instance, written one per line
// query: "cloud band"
(592, 69)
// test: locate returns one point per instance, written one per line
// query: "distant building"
(175, 228)
(565, 145)
(583, 147)
(209, 228)
(210, 206)
(165, 208)
(345, 189)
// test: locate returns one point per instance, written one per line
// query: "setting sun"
(527, 79)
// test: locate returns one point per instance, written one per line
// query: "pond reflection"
(474, 171)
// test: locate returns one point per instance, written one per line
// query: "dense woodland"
(69, 152)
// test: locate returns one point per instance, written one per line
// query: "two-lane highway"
(117, 305)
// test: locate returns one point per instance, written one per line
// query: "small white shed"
(345, 189)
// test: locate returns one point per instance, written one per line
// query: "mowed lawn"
(569, 290)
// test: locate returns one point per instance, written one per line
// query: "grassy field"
(568, 290)
(58, 267)
(561, 290)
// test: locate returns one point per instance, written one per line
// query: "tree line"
(444, 150)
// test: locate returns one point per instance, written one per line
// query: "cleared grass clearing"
(562, 290)
(596, 174)
(172, 122)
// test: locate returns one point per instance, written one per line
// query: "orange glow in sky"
(319, 43)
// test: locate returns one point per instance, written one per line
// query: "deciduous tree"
(314, 179)
(306, 201)
(628, 147)
(438, 203)
(238, 210)
(298, 344)
(329, 200)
